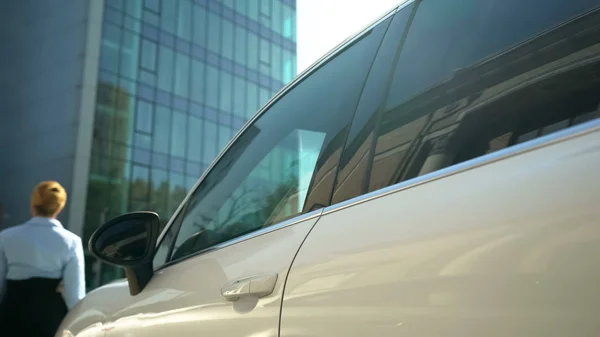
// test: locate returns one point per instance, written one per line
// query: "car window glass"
(355, 160)
(439, 44)
(457, 92)
(280, 166)
(162, 250)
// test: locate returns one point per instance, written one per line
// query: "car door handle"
(259, 286)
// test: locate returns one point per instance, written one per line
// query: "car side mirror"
(128, 241)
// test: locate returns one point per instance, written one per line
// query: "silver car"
(435, 175)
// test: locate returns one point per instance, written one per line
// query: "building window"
(194, 144)
(148, 55)
(212, 86)
(144, 116)
(182, 72)
(198, 78)
(184, 20)
(165, 68)
(178, 134)
(168, 15)
(162, 126)
(214, 32)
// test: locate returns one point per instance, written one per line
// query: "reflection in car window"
(457, 92)
(439, 44)
(162, 251)
(354, 162)
(274, 190)
(284, 164)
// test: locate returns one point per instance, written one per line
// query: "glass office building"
(162, 87)
(177, 79)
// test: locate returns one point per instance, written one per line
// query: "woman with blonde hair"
(41, 267)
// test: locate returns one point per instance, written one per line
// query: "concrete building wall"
(41, 63)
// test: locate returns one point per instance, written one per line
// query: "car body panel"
(504, 244)
(187, 296)
(508, 247)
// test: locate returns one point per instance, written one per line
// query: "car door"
(467, 198)
(222, 264)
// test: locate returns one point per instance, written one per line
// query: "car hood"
(87, 318)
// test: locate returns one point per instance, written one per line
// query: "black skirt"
(32, 307)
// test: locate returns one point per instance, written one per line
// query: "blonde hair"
(48, 199)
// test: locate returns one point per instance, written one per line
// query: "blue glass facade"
(177, 79)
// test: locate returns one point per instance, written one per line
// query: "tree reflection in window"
(273, 190)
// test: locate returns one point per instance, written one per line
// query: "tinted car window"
(439, 44)
(355, 159)
(491, 75)
(284, 164)
(163, 249)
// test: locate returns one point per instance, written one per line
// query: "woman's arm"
(74, 276)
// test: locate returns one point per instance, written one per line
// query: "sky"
(322, 24)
